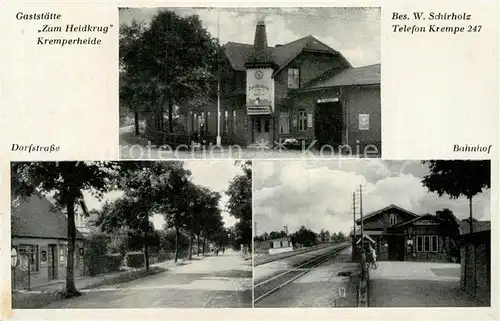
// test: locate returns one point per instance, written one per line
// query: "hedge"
(112, 262)
(134, 259)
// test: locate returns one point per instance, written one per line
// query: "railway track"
(269, 286)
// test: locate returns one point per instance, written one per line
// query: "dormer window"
(293, 78)
(393, 219)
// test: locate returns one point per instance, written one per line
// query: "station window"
(427, 243)
(393, 219)
(293, 78)
(302, 120)
(284, 122)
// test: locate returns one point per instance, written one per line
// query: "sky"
(355, 32)
(318, 194)
(216, 175)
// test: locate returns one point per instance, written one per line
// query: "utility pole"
(354, 215)
(286, 229)
(363, 254)
(219, 140)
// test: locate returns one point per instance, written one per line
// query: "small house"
(39, 249)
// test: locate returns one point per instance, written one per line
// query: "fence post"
(29, 274)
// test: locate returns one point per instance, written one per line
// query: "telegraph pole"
(354, 254)
(354, 215)
(363, 254)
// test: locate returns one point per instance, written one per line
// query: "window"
(226, 119)
(28, 256)
(302, 120)
(284, 122)
(393, 219)
(293, 77)
(271, 245)
(434, 243)
(266, 125)
(420, 243)
(63, 252)
(427, 243)
(258, 126)
(235, 123)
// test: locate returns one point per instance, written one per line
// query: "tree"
(65, 183)
(133, 94)
(177, 59)
(304, 236)
(173, 203)
(132, 213)
(458, 177)
(449, 228)
(204, 209)
(240, 202)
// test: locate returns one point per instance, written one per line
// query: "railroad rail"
(269, 286)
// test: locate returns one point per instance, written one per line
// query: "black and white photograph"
(249, 82)
(372, 233)
(131, 234)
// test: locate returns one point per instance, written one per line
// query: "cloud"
(318, 194)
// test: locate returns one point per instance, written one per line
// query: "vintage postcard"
(241, 160)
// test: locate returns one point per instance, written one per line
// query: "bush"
(112, 262)
(134, 259)
(95, 249)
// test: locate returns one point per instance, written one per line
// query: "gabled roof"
(37, 217)
(239, 53)
(477, 226)
(422, 217)
(367, 75)
(392, 206)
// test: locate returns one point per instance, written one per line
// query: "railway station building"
(400, 235)
(303, 92)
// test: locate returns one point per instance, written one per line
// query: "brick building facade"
(303, 90)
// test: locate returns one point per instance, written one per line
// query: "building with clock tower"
(303, 91)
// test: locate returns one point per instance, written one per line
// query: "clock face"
(259, 74)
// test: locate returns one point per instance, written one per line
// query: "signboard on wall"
(364, 121)
(258, 110)
(260, 89)
(327, 100)
(426, 222)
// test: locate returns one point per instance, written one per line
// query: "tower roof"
(260, 57)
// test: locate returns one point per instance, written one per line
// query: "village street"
(212, 282)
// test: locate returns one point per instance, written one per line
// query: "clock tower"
(260, 68)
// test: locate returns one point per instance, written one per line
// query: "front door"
(329, 124)
(52, 261)
(262, 129)
(396, 248)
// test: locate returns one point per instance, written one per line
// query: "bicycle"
(372, 264)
